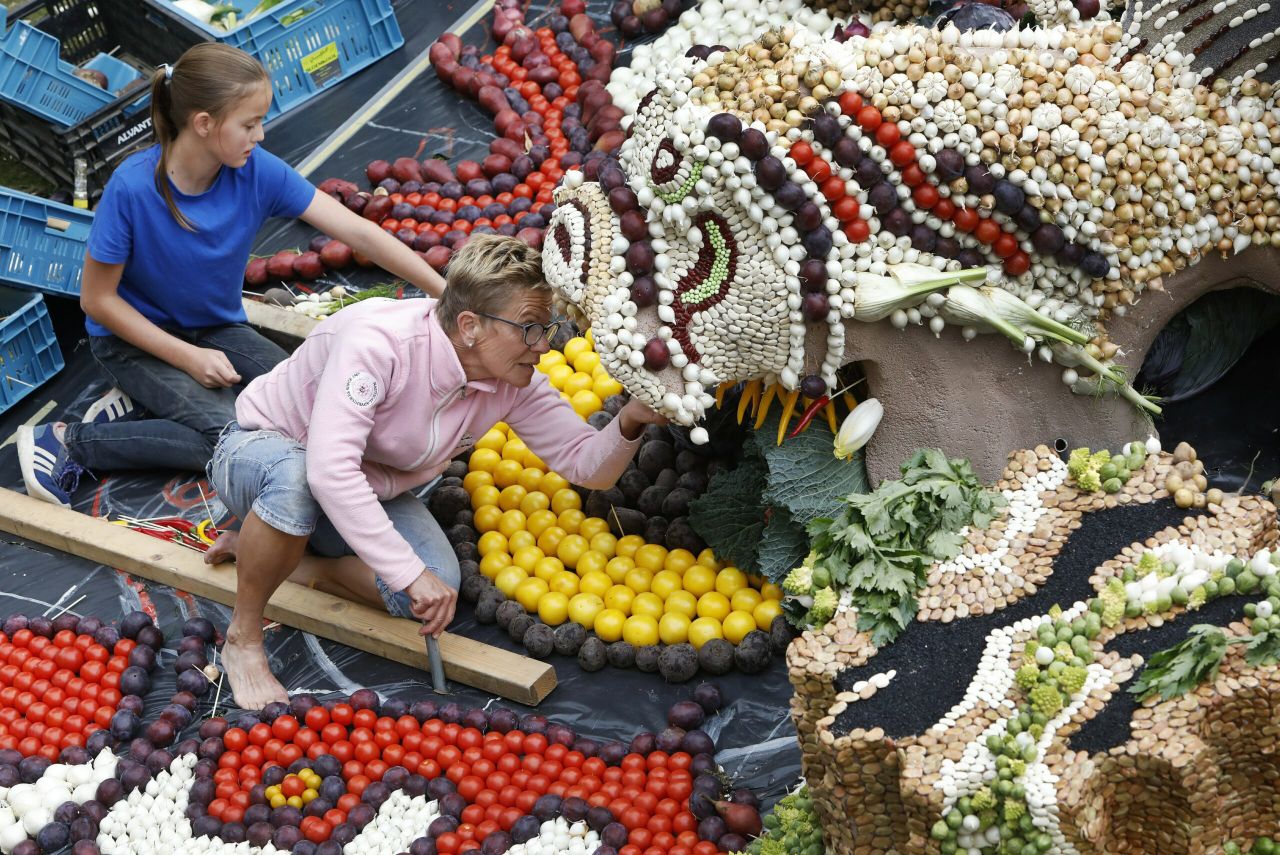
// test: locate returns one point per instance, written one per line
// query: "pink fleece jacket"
(383, 385)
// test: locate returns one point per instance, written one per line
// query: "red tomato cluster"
(500, 775)
(1004, 244)
(55, 692)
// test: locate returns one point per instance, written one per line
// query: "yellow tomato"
(492, 541)
(651, 557)
(520, 540)
(547, 568)
(483, 459)
(605, 386)
(679, 560)
(591, 561)
(618, 568)
(570, 548)
(535, 501)
(770, 591)
(586, 362)
(575, 346)
(699, 579)
(640, 631)
(745, 600)
(507, 472)
(550, 359)
(647, 604)
(619, 597)
(553, 608)
(486, 495)
(603, 542)
(707, 558)
(590, 337)
(553, 483)
(737, 625)
(713, 604)
(565, 583)
(493, 440)
(628, 545)
(565, 500)
(511, 497)
(511, 522)
(665, 583)
(703, 630)
(533, 461)
(681, 602)
(529, 591)
(638, 580)
(570, 520)
(608, 624)
(585, 402)
(508, 578)
(594, 582)
(765, 613)
(530, 478)
(550, 538)
(477, 478)
(583, 609)
(486, 518)
(539, 521)
(515, 449)
(730, 580)
(559, 374)
(593, 526)
(579, 382)
(526, 557)
(673, 628)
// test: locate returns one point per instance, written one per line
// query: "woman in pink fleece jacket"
(395, 389)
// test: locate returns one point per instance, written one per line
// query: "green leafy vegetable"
(1179, 669)
(1262, 648)
(730, 515)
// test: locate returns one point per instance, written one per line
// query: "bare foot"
(224, 548)
(252, 683)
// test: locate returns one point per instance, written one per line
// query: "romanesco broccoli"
(1029, 651)
(1083, 467)
(1089, 481)
(800, 580)
(1013, 810)
(1197, 598)
(1078, 462)
(1045, 699)
(823, 608)
(1018, 767)
(1148, 563)
(1071, 679)
(1027, 676)
(983, 799)
(1063, 651)
(1114, 601)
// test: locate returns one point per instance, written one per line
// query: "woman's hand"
(432, 602)
(210, 368)
(634, 416)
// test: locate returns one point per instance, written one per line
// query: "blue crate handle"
(69, 229)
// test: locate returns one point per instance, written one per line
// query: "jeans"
(265, 472)
(186, 417)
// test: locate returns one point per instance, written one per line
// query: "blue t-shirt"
(183, 279)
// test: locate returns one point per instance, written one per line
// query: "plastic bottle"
(80, 193)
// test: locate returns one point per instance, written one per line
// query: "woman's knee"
(446, 569)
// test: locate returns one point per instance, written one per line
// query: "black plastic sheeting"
(754, 735)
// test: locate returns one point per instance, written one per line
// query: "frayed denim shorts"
(266, 472)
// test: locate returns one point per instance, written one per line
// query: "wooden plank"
(290, 325)
(467, 661)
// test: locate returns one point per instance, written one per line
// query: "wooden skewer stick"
(69, 606)
(13, 379)
(212, 524)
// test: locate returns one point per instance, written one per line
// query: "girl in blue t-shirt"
(163, 273)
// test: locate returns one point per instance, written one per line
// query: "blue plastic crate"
(34, 76)
(29, 353)
(42, 243)
(332, 41)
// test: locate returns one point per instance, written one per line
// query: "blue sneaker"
(49, 473)
(114, 406)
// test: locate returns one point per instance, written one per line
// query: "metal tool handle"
(438, 682)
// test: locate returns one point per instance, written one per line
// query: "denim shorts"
(266, 472)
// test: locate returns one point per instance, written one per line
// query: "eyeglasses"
(533, 333)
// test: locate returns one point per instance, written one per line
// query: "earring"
(471, 342)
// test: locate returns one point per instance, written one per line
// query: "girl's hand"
(210, 368)
(432, 602)
(634, 416)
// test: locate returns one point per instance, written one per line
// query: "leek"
(1109, 378)
(1019, 313)
(878, 297)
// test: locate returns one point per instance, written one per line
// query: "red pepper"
(809, 412)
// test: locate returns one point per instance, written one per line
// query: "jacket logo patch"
(362, 389)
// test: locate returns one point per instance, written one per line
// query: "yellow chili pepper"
(788, 408)
(720, 390)
(748, 392)
(850, 401)
(831, 417)
(763, 412)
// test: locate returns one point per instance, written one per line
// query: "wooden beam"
(490, 669)
(289, 326)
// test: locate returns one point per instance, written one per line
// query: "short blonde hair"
(485, 274)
